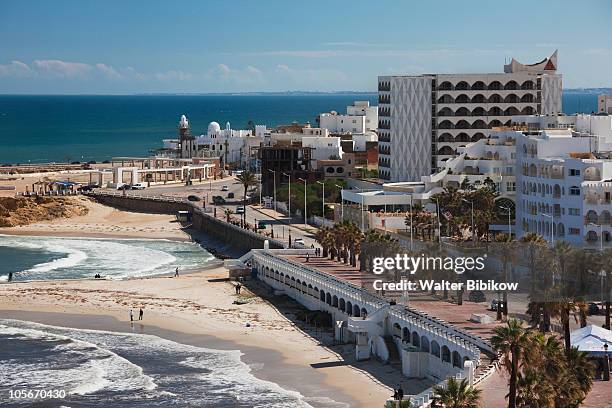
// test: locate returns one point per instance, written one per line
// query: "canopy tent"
(591, 339)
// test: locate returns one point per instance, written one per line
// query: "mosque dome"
(213, 127)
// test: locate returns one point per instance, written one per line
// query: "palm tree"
(228, 214)
(247, 179)
(455, 395)
(511, 341)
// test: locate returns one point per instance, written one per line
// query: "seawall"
(232, 235)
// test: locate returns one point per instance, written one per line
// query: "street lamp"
(439, 223)
(509, 226)
(552, 229)
(411, 222)
(323, 201)
(289, 200)
(361, 209)
(305, 210)
(274, 173)
(472, 204)
(600, 234)
(341, 203)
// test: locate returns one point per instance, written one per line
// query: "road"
(275, 221)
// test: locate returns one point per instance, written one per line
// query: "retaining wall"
(232, 235)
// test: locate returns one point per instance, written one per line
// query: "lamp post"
(341, 203)
(509, 226)
(322, 201)
(411, 222)
(552, 229)
(600, 234)
(361, 208)
(305, 209)
(606, 371)
(439, 223)
(472, 204)
(289, 199)
(274, 173)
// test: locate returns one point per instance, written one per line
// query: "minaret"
(186, 141)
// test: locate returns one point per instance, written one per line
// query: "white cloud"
(15, 68)
(108, 71)
(63, 69)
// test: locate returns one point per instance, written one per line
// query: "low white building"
(359, 118)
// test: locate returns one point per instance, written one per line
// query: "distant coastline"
(594, 91)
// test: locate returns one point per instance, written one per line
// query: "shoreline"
(198, 307)
(266, 364)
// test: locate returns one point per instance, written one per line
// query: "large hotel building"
(424, 118)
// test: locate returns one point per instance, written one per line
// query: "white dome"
(213, 127)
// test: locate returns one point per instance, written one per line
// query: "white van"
(138, 186)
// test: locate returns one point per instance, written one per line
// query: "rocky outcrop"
(28, 210)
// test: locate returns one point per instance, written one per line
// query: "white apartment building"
(359, 118)
(604, 103)
(424, 119)
(564, 178)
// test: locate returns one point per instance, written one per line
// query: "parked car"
(138, 186)
(298, 243)
(85, 188)
(240, 210)
(123, 186)
(477, 296)
(230, 195)
(261, 225)
(593, 309)
(193, 198)
(225, 188)
(218, 200)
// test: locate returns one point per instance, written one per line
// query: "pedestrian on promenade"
(400, 394)
(238, 288)
(131, 315)
(10, 277)
(140, 314)
(176, 272)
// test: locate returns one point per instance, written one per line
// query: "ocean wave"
(74, 258)
(88, 368)
(70, 258)
(115, 363)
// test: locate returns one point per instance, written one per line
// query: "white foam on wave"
(101, 368)
(74, 258)
(226, 372)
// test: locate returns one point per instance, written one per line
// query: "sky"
(126, 47)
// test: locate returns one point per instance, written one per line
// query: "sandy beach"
(198, 309)
(105, 222)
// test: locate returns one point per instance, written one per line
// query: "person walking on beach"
(131, 315)
(10, 277)
(140, 314)
(238, 287)
(176, 273)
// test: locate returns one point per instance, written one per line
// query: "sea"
(51, 258)
(92, 368)
(41, 129)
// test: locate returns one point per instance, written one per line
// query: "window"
(574, 211)
(575, 191)
(574, 231)
(509, 170)
(510, 186)
(574, 172)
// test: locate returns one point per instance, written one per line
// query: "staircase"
(486, 367)
(394, 356)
